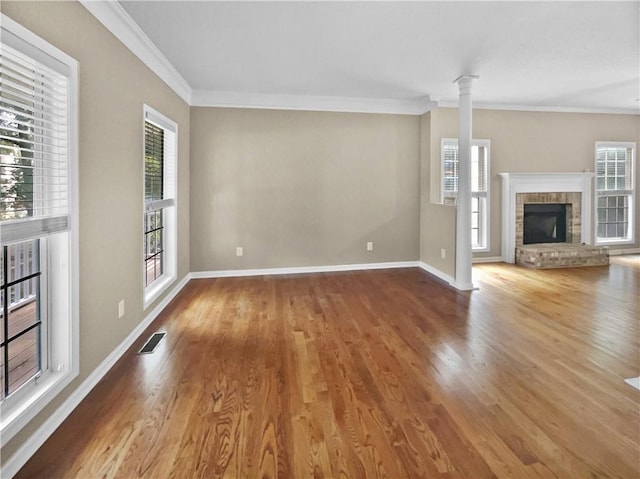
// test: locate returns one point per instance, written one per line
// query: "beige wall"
(536, 142)
(293, 188)
(437, 222)
(297, 188)
(113, 84)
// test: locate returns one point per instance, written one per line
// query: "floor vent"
(152, 343)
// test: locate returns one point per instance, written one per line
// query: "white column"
(463, 217)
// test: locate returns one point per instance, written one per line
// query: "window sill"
(30, 400)
(614, 242)
(153, 292)
(441, 203)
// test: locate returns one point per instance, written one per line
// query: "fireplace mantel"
(514, 183)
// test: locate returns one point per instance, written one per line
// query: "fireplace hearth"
(545, 246)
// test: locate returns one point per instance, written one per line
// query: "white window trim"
(487, 219)
(170, 209)
(62, 259)
(632, 205)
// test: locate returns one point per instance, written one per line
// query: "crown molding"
(548, 109)
(116, 19)
(408, 106)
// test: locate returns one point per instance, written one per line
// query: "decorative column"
(463, 217)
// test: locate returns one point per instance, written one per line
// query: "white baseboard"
(464, 286)
(447, 278)
(620, 252)
(31, 445)
(228, 273)
(488, 259)
(437, 273)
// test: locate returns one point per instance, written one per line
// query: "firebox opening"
(544, 223)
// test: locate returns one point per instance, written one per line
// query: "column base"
(464, 286)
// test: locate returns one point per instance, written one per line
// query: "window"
(23, 352)
(615, 192)
(479, 186)
(38, 232)
(159, 242)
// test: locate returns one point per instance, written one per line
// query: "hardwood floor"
(373, 374)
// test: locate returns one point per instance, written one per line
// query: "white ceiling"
(537, 55)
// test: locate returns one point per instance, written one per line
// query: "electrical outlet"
(239, 251)
(121, 309)
(443, 253)
(370, 246)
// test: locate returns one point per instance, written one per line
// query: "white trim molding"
(488, 259)
(513, 183)
(59, 258)
(116, 19)
(37, 439)
(169, 205)
(401, 106)
(631, 194)
(233, 273)
(622, 252)
(541, 108)
(450, 280)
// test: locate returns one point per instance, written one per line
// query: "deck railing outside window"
(20, 321)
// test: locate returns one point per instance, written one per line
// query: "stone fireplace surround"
(574, 211)
(570, 253)
(570, 188)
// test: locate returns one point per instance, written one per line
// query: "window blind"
(450, 168)
(479, 169)
(613, 169)
(159, 143)
(34, 145)
(153, 162)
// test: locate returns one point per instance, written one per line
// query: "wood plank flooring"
(373, 374)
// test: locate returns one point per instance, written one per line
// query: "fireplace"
(520, 189)
(534, 208)
(548, 218)
(545, 223)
